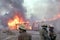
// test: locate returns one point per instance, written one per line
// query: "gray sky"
(42, 8)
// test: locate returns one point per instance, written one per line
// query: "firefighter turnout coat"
(24, 36)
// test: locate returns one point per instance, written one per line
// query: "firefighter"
(52, 34)
(44, 33)
(23, 34)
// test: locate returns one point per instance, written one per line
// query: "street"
(35, 36)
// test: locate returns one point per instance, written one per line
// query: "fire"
(53, 18)
(15, 22)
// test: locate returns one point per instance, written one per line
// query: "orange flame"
(53, 18)
(15, 22)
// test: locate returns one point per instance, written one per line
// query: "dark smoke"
(9, 7)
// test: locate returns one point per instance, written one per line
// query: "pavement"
(35, 35)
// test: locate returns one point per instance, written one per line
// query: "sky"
(41, 9)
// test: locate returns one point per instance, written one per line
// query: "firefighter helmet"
(22, 27)
(44, 25)
(51, 26)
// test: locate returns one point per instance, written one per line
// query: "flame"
(53, 18)
(15, 22)
(30, 28)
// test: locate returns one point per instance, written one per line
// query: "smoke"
(8, 9)
(44, 10)
(56, 17)
(8, 5)
(41, 9)
(36, 9)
